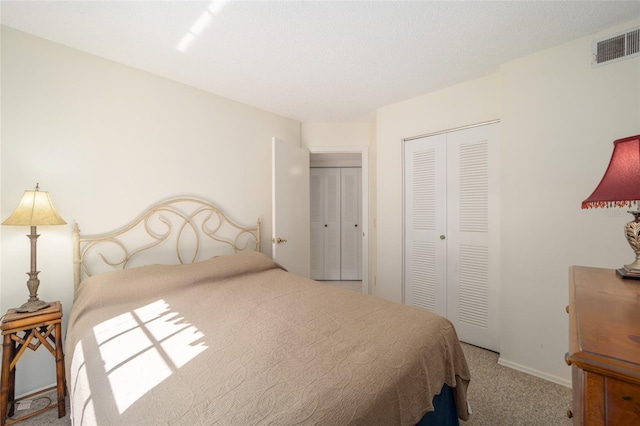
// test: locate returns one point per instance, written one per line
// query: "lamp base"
(33, 306)
(625, 274)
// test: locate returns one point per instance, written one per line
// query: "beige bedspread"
(236, 340)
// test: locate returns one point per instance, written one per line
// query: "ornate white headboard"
(181, 230)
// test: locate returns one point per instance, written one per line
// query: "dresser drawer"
(623, 403)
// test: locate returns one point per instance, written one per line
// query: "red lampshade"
(620, 185)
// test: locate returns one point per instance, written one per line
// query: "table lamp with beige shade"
(35, 209)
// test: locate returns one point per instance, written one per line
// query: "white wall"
(559, 117)
(107, 141)
(334, 134)
(468, 103)
(325, 135)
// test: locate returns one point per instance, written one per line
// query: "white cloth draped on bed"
(236, 340)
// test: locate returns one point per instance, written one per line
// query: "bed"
(192, 324)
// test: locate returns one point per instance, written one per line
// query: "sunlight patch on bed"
(82, 411)
(143, 347)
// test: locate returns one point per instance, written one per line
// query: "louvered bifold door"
(425, 251)
(317, 196)
(451, 230)
(351, 224)
(472, 234)
(332, 224)
(325, 223)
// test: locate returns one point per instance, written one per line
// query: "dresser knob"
(569, 413)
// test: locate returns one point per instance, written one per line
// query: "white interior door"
(452, 230)
(473, 234)
(290, 207)
(325, 223)
(425, 267)
(351, 224)
(317, 223)
(332, 224)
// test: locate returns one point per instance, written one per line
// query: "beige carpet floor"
(499, 396)
(502, 396)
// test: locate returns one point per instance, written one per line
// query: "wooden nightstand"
(22, 331)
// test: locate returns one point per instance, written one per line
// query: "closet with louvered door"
(325, 223)
(451, 229)
(336, 236)
(350, 226)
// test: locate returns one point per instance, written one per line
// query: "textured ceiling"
(316, 61)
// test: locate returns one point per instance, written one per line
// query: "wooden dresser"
(604, 347)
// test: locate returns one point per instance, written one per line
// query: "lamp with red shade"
(620, 187)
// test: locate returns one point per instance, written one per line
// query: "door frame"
(364, 155)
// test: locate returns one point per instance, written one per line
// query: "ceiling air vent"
(615, 48)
